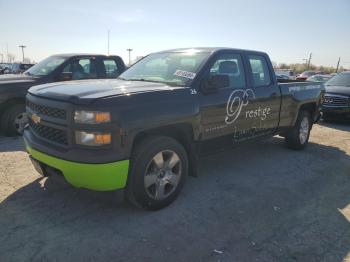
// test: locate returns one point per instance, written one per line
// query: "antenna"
(337, 65)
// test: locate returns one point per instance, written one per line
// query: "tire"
(13, 120)
(154, 181)
(326, 117)
(298, 137)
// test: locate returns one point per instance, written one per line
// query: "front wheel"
(298, 137)
(159, 168)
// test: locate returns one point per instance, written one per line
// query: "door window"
(83, 68)
(260, 70)
(232, 66)
(111, 68)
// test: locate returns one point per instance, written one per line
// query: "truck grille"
(46, 110)
(49, 133)
(336, 101)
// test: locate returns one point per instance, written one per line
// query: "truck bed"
(294, 93)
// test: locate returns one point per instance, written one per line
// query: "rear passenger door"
(263, 108)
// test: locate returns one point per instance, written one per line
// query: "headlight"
(92, 138)
(92, 117)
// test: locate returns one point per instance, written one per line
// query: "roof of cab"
(82, 54)
(209, 49)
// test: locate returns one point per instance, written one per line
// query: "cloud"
(131, 17)
(120, 16)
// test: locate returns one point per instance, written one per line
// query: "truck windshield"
(46, 66)
(172, 68)
(342, 79)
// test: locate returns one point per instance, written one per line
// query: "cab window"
(111, 68)
(260, 70)
(83, 68)
(232, 66)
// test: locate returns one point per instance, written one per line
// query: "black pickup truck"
(146, 130)
(64, 67)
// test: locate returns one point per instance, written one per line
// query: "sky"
(287, 30)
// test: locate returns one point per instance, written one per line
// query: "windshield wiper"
(143, 80)
(138, 79)
(152, 81)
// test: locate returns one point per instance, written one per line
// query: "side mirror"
(215, 82)
(65, 76)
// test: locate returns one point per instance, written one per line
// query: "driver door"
(221, 110)
(79, 68)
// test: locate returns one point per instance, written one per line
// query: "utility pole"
(2, 58)
(108, 44)
(7, 52)
(337, 65)
(22, 46)
(129, 50)
(308, 64)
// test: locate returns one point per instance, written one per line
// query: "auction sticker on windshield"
(185, 74)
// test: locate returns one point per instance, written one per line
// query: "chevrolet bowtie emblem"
(36, 119)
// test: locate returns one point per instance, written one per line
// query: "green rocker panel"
(100, 177)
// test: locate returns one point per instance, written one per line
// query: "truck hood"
(341, 90)
(14, 79)
(87, 91)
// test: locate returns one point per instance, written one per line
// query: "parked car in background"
(5, 68)
(19, 68)
(336, 102)
(285, 72)
(306, 74)
(281, 77)
(65, 67)
(319, 78)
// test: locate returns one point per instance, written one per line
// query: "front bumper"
(333, 109)
(340, 111)
(100, 177)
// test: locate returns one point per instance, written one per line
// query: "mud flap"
(194, 159)
(37, 166)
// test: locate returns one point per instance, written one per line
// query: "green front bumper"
(101, 177)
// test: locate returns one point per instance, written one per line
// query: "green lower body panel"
(100, 177)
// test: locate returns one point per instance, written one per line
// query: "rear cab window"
(260, 70)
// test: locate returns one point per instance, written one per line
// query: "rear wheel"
(326, 117)
(298, 137)
(158, 172)
(13, 120)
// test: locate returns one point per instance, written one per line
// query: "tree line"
(299, 68)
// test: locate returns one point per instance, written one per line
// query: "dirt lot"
(259, 202)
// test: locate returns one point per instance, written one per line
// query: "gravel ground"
(258, 202)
